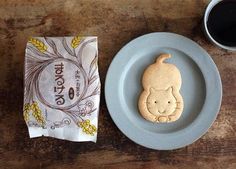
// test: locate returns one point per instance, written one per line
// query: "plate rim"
(214, 70)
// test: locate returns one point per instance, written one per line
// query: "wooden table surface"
(115, 22)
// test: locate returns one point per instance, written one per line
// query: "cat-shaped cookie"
(161, 101)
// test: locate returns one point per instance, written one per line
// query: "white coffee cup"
(206, 15)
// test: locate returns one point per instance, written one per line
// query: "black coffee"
(222, 22)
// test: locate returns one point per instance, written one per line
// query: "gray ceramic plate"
(201, 90)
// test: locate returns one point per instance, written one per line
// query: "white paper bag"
(62, 87)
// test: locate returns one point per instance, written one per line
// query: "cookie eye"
(155, 102)
(168, 102)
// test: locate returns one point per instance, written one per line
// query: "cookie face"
(161, 101)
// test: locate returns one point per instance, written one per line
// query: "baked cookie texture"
(160, 101)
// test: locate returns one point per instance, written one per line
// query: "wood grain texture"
(115, 23)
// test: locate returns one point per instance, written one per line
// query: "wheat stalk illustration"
(26, 112)
(76, 41)
(37, 113)
(38, 44)
(87, 127)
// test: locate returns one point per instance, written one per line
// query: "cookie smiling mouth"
(163, 112)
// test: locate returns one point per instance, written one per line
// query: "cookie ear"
(169, 90)
(152, 90)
